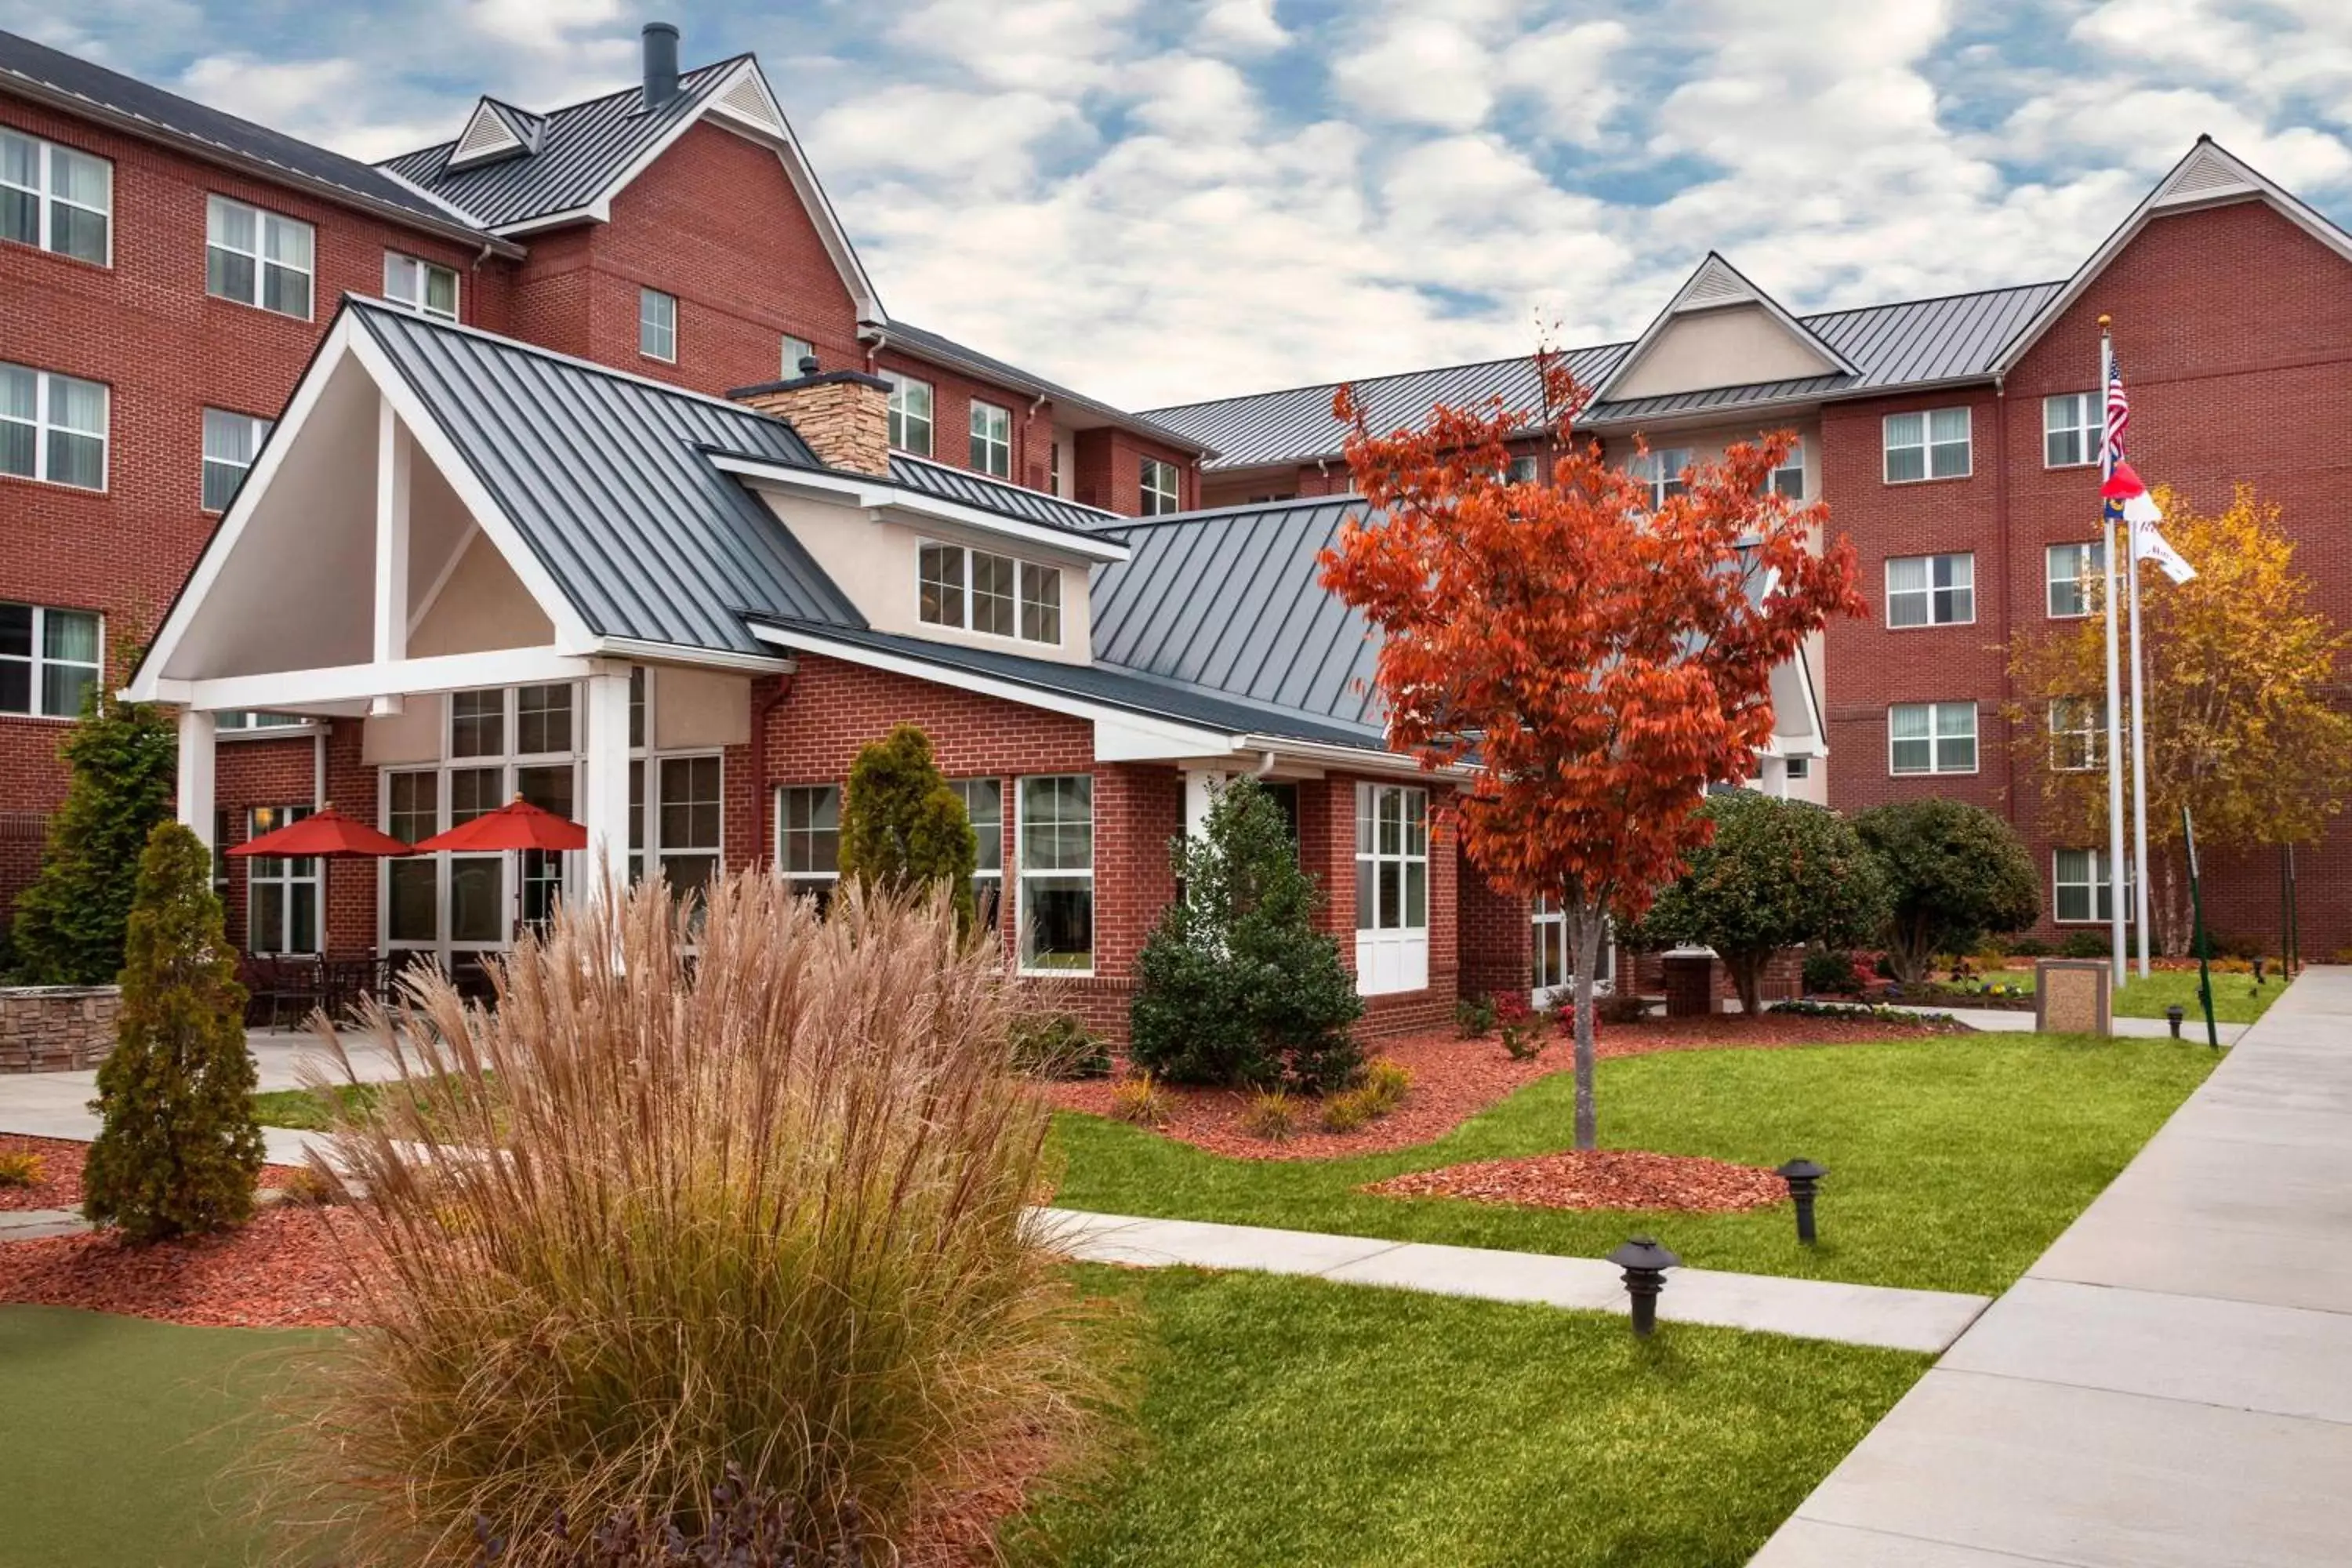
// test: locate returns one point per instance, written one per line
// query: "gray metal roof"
(1914, 342)
(582, 148)
(1233, 601)
(43, 72)
(1105, 683)
(931, 345)
(968, 488)
(606, 477)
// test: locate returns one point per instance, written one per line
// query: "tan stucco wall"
(698, 708)
(1731, 345)
(410, 735)
(483, 605)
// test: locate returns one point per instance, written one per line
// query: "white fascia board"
(639, 649)
(572, 632)
(879, 495)
(391, 677)
(1680, 303)
(1351, 759)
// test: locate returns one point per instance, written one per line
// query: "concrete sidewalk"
(1809, 1309)
(1999, 1020)
(2171, 1383)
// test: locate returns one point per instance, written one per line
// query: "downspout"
(760, 809)
(1021, 462)
(1264, 769)
(2008, 572)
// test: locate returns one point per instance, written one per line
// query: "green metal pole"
(2204, 945)
(2294, 910)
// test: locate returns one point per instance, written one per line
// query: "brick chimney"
(843, 414)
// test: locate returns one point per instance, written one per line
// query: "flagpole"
(2115, 689)
(2138, 878)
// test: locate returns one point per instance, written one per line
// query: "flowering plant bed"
(1597, 1179)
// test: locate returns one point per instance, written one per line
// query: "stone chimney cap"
(822, 378)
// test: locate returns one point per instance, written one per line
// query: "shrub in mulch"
(59, 1186)
(288, 1267)
(1597, 1179)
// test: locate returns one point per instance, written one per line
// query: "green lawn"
(117, 1431)
(1283, 1421)
(2236, 999)
(1954, 1161)
(303, 1108)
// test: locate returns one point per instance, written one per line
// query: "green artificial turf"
(1291, 1421)
(1954, 1161)
(120, 1435)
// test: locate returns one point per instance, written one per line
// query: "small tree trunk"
(1746, 970)
(1585, 926)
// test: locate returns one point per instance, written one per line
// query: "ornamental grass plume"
(756, 1213)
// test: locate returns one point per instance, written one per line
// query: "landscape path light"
(1645, 1264)
(1804, 1178)
(2173, 1015)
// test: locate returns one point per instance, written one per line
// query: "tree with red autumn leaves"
(1597, 660)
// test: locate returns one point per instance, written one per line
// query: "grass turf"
(302, 1108)
(118, 1432)
(1953, 1161)
(2236, 999)
(1295, 1421)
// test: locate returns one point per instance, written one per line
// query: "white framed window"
(1788, 479)
(1931, 590)
(983, 805)
(2070, 569)
(1931, 443)
(56, 199)
(543, 720)
(412, 883)
(1523, 470)
(992, 438)
(2072, 425)
(910, 414)
(690, 826)
(424, 287)
(2080, 891)
(1056, 841)
(1160, 492)
(1554, 967)
(53, 428)
(2078, 733)
(1660, 468)
(1392, 888)
(997, 596)
(281, 892)
(258, 257)
(231, 442)
(795, 351)
(808, 840)
(1931, 738)
(1799, 768)
(657, 325)
(49, 660)
(248, 720)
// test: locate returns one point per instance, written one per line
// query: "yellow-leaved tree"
(2242, 723)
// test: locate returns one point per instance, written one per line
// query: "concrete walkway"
(2006, 1021)
(1809, 1309)
(2171, 1383)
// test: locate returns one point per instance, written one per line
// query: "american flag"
(2111, 447)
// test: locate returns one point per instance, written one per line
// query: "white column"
(604, 797)
(196, 772)
(1199, 785)
(392, 462)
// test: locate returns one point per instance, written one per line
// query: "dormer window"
(995, 596)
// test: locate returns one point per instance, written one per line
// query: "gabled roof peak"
(1716, 284)
(493, 131)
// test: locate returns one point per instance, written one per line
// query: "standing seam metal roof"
(968, 488)
(582, 148)
(606, 479)
(1913, 342)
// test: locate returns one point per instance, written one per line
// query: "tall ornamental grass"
(754, 1215)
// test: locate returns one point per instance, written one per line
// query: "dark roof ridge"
(1384, 375)
(1934, 298)
(1217, 513)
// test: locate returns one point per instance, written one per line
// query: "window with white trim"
(1160, 492)
(1523, 470)
(2080, 891)
(992, 438)
(1931, 590)
(1931, 443)
(281, 892)
(691, 821)
(1788, 479)
(49, 660)
(2070, 569)
(795, 350)
(1796, 768)
(423, 286)
(910, 414)
(258, 257)
(53, 428)
(1056, 835)
(997, 596)
(1660, 468)
(2072, 425)
(231, 443)
(2078, 733)
(808, 840)
(983, 807)
(1931, 738)
(55, 198)
(657, 325)
(1392, 888)
(243, 720)
(413, 882)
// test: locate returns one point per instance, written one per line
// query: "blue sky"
(1160, 200)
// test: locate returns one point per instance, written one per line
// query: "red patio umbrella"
(325, 835)
(518, 825)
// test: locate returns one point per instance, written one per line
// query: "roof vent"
(2207, 174)
(494, 130)
(661, 64)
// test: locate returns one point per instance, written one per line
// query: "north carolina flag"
(2126, 499)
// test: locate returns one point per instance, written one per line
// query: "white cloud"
(1244, 25)
(971, 142)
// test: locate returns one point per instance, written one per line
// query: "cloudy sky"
(1163, 200)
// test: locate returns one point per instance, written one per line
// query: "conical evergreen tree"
(902, 826)
(70, 921)
(180, 1150)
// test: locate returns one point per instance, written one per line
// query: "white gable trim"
(1716, 283)
(2208, 175)
(488, 135)
(879, 495)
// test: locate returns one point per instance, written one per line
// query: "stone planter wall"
(53, 1029)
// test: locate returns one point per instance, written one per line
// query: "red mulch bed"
(61, 1162)
(1453, 1079)
(289, 1269)
(1598, 1179)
